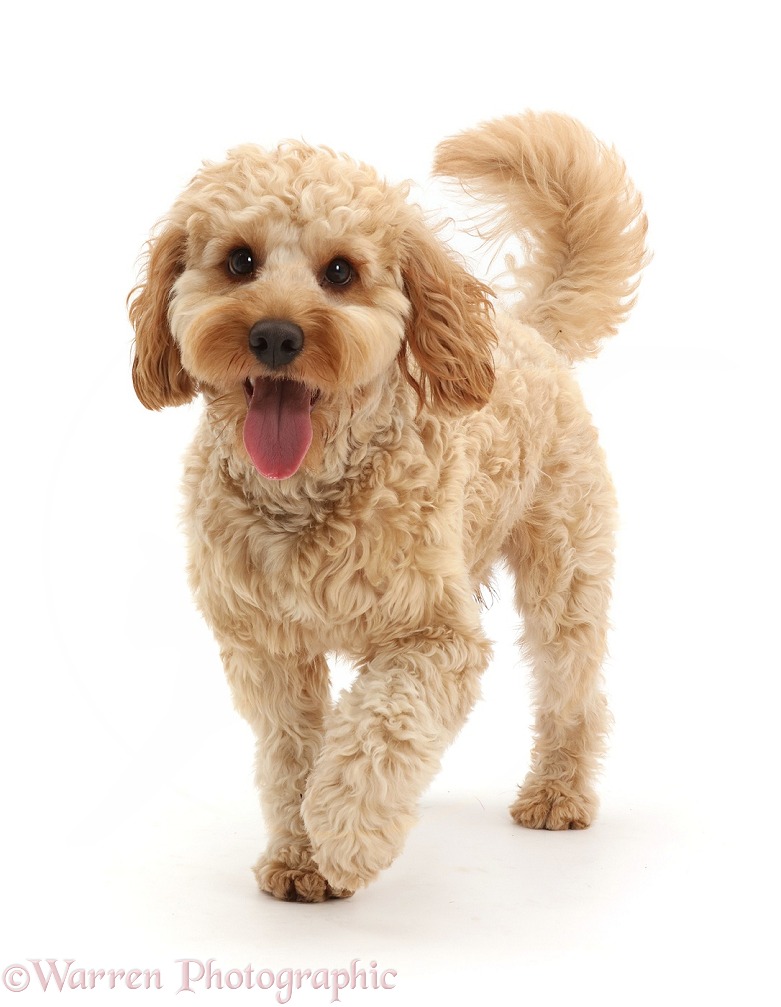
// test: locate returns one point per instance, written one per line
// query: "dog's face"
(284, 282)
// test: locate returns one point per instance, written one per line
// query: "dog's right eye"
(241, 262)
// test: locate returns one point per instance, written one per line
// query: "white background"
(130, 821)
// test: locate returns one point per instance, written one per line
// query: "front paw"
(352, 841)
(548, 804)
(295, 880)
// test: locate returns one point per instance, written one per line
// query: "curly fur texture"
(445, 436)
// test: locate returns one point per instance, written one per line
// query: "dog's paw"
(351, 844)
(351, 870)
(546, 804)
(295, 884)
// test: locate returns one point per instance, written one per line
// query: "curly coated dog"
(376, 435)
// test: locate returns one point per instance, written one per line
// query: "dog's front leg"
(383, 745)
(285, 703)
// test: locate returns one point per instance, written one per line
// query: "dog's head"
(281, 283)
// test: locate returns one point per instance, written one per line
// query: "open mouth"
(278, 425)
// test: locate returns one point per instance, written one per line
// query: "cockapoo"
(377, 434)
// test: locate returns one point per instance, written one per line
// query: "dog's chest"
(331, 570)
(340, 575)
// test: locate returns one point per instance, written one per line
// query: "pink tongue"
(278, 427)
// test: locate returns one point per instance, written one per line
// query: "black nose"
(275, 342)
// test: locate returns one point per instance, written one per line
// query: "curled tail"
(549, 180)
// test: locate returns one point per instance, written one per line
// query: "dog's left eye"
(338, 271)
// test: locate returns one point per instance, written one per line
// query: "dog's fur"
(446, 436)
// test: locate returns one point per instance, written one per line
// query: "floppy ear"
(158, 376)
(449, 332)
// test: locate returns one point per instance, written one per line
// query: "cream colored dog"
(375, 438)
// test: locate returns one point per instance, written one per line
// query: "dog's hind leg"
(285, 704)
(562, 557)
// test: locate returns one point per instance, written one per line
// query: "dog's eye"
(241, 262)
(339, 272)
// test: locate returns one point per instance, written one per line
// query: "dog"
(377, 434)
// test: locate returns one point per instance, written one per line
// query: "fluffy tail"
(548, 180)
